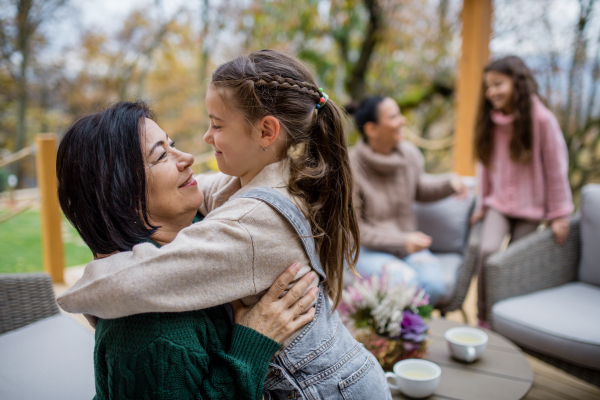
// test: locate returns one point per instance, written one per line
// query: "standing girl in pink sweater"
(523, 164)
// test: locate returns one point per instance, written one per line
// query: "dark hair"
(365, 111)
(102, 178)
(525, 87)
(269, 82)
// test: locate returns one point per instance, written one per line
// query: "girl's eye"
(172, 144)
(216, 127)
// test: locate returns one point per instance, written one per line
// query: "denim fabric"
(324, 361)
(424, 264)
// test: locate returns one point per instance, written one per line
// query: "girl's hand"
(461, 191)
(560, 228)
(277, 318)
(417, 241)
(476, 216)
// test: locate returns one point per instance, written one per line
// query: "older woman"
(122, 182)
(389, 178)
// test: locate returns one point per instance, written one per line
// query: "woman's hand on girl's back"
(275, 317)
(560, 228)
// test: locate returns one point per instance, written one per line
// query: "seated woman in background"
(389, 178)
(122, 182)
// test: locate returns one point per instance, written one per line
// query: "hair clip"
(323, 99)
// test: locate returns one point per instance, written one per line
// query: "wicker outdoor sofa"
(43, 354)
(546, 297)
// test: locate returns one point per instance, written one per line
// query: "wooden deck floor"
(549, 383)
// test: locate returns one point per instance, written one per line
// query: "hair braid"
(268, 81)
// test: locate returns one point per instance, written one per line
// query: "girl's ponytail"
(323, 177)
(269, 82)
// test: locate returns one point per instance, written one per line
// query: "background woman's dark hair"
(269, 82)
(102, 178)
(365, 111)
(525, 87)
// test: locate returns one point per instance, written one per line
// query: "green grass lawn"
(21, 246)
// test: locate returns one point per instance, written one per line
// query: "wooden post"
(52, 245)
(476, 31)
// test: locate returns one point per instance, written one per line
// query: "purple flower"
(413, 327)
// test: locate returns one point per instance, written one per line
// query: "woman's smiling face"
(236, 143)
(172, 191)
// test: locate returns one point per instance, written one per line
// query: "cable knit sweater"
(172, 356)
(386, 186)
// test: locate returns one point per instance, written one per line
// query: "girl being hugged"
(523, 164)
(284, 195)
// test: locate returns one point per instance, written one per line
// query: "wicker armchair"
(43, 354)
(529, 269)
(25, 298)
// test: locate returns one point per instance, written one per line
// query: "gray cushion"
(49, 359)
(561, 322)
(589, 265)
(451, 263)
(446, 221)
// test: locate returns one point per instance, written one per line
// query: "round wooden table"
(503, 373)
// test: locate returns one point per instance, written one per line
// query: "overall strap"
(292, 213)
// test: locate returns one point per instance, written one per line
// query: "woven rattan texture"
(533, 263)
(25, 298)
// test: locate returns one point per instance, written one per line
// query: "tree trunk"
(355, 82)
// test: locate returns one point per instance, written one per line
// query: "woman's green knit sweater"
(186, 355)
(189, 355)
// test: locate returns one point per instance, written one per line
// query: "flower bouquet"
(387, 319)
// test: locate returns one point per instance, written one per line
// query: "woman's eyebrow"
(160, 143)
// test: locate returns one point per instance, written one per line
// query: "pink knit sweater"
(536, 190)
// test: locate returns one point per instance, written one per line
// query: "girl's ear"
(269, 129)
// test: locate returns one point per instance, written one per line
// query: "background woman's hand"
(461, 191)
(417, 241)
(476, 216)
(560, 228)
(277, 318)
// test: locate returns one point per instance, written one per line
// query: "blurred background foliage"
(406, 49)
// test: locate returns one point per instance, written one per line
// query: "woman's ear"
(370, 129)
(269, 129)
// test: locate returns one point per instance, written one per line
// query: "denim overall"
(324, 361)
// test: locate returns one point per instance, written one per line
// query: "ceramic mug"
(466, 344)
(415, 378)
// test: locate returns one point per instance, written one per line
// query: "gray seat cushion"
(49, 359)
(589, 266)
(451, 263)
(561, 322)
(447, 222)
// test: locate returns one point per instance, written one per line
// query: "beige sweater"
(238, 251)
(386, 187)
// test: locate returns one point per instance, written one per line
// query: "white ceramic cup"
(415, 378)
(466, 344)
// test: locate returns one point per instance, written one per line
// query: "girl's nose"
(208, 137)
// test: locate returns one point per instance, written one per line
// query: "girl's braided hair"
(525, 87)
(269, 82)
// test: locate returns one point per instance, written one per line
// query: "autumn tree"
(20, 39)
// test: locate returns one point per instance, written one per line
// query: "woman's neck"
(381, 148)
(170, 227)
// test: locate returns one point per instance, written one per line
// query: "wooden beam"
(53, 254)
(475, 54)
